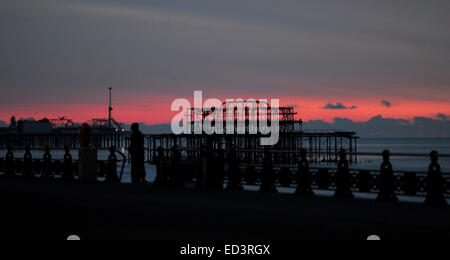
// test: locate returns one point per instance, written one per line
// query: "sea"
(421, 146)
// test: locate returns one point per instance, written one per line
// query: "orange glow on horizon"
(156, 110)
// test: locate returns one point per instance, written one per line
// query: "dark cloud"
(386, 103)
(3, 124)
(442, 116)
(338, 106)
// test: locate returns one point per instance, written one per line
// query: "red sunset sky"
(157, 109)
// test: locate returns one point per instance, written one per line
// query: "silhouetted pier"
(321, 146)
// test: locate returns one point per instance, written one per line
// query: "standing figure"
(268, 176)
(435, 183)
(9, 162)
(235, 177)
(343, 183)
(68, 166)
(47, 164)
(387, 180)
(28, 163)
(304, 175)
(137, 155)
(111, 171)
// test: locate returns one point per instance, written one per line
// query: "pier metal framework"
(321, 145)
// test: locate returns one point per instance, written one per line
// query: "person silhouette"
(28, 163)
(304, 175)
(268, 176)
(387, 180)
(235, 178)
(161, 178)
(68, 166)
(111, 172)
(343, 182)
(435, 183)
(137, 153)
(47, 164)
(9, 162)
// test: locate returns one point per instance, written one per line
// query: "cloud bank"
(379, 127)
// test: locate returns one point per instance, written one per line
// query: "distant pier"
(322, 146)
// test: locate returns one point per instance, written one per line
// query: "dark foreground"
(37, 210)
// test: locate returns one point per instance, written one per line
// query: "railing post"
(67, 166)
(387, 180)
(435, 183)
(343, 178)
(28, 163)
(9, 163)
(47, 172)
